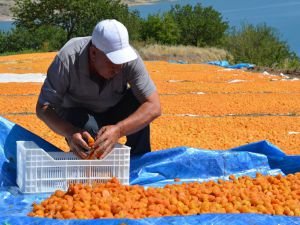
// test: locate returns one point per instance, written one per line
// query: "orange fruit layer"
(225, 133)
(223, 104)
(164, 87)
(275, 195)
(180, 88)
(206, 133)
(27, 104)
(202, 105)
(163, 71)
(26, 63)
(11, 89)
(257, 86)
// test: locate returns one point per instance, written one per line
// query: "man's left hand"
(106, 138)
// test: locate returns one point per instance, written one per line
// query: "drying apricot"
(278, 195)
(91, 142)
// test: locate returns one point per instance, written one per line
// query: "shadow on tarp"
(203, 219)
(152, 169)
(191, 164)
(277, 159)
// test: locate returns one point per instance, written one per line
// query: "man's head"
(110, 48)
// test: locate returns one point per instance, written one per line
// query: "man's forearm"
(58, 125)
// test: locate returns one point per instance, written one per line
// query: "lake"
(5, 25)
(283, 15)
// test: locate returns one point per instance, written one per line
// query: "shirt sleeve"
(55, 85)
(139, 80)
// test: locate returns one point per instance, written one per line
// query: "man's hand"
(106, 138)
(75, 137)
(77, 143)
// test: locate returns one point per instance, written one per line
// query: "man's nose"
(116, 69)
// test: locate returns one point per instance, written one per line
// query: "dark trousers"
(92, 122)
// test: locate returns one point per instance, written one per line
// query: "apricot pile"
(276, 195)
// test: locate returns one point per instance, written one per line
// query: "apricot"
(278, 195)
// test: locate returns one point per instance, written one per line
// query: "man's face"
(102, 65)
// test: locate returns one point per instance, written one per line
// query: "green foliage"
(75, 17)
(45, 38)
(185, 25)
(259, 44)
(199, 26)
(291, 64)
(160, 29)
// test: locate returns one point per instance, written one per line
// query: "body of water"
(6, 25)
(283, 15)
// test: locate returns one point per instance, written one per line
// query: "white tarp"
(26, 77)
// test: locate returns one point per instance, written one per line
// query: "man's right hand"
(77, 143)
(75, 136)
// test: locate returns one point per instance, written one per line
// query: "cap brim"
(122, 56)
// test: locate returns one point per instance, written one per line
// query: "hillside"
(5, 13)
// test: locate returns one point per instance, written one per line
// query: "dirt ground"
(204, 106)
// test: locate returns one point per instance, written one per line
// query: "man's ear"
(92, 53)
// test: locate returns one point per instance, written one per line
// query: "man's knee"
(82, 119)
(139, 141)
(127, 106)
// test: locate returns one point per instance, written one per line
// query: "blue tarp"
(152, 169)
(224, 63)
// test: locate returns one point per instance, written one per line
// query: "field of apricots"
(204, 106)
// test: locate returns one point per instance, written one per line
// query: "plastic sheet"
(224, 63)
(152, 169)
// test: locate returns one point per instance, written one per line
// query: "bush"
(291, 64)
(45, 38)
(259, 45)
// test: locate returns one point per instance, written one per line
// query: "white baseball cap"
(111, 37)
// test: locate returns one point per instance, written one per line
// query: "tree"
(199, 26)
(169, 33)
(75, 17)
(160, 29)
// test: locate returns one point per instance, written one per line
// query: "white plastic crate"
(39, 171)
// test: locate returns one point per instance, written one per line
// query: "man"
(99, 87)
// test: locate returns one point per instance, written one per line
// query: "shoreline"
(142, 2)
(6, 19)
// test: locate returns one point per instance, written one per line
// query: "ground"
(203, 106)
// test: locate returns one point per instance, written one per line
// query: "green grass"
(19, 53)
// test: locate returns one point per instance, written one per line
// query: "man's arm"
(145, 114)
(73, 135)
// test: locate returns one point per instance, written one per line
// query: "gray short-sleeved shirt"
(69, 82)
